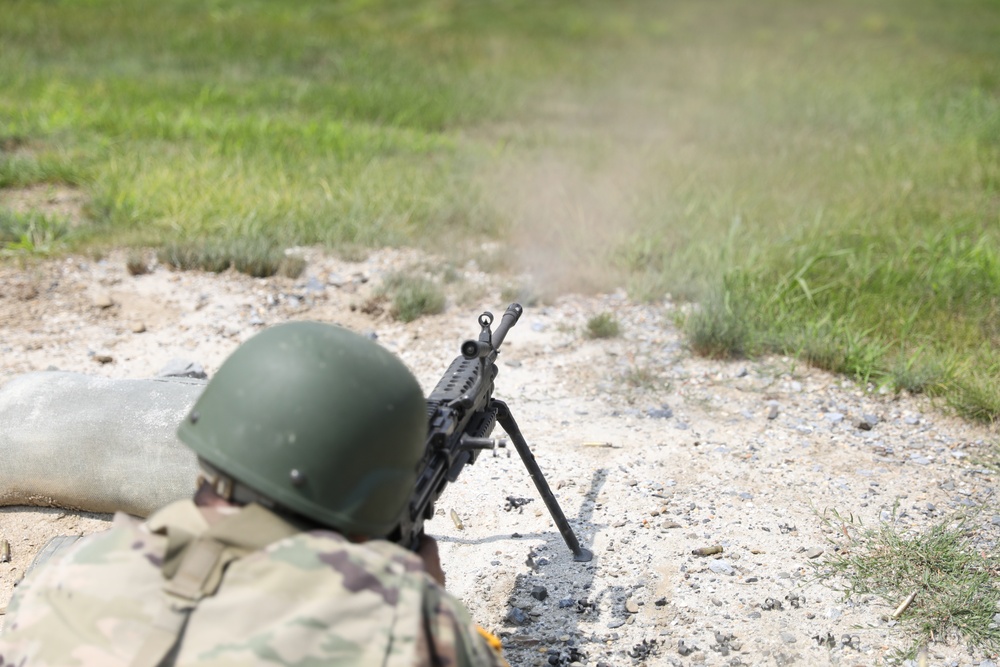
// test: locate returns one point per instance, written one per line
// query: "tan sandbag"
(97, 444)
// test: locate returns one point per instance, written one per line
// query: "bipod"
(506, 421)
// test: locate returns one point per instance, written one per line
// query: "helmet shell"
(322, 421)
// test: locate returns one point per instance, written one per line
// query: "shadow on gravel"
(549, 604)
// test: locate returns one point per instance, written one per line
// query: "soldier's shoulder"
(330, 547)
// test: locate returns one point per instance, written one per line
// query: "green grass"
(603, 325)
(30, 233)
(918, 312)
(954, 578)
(412, 296)
(312, 122)
(254, 257)
(823, 177)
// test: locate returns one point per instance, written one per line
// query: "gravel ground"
(653, 455)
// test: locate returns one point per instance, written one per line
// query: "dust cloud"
(573, 197)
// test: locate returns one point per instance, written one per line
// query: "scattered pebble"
(733, 482)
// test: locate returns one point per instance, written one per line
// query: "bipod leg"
(506, 421)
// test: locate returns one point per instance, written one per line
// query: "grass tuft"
(719, 328)
(31, 233)
(135, 263)
(976, 396)
(918, 374)
(956, 580)
(604, 325)
(412, 296)
(641, 377)
(254, 257)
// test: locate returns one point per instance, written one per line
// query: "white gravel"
(653, 453)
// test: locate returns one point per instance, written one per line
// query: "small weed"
(955, 580)
(451, 274)
(604, 325)
(977, 396)
(191, 257)
(641, 377)
(918, 375)
(292, 266)
(135, 263)
(30, 233)
(719, 328)
(352, 252)
(255, 258)
(412, 296)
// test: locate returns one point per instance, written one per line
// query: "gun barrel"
(509, 319)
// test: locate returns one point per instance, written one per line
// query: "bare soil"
(653, 454)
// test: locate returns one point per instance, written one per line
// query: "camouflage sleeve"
(452, 638)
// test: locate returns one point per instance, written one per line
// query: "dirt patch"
(744, 456)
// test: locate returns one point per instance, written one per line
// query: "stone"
(662, 412)
(540, 593)
(182, 368)
(517, 617)
(102, 299)
(721, 567)
(814, 553)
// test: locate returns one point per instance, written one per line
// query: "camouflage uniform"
(273, 596)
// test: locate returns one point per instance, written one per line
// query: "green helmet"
(320, 420)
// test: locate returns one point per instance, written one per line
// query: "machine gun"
(461, 414)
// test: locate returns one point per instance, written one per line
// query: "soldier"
(308, 438)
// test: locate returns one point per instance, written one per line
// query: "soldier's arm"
(452, 637)
(428, 552)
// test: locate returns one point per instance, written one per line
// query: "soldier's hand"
(428, 552)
